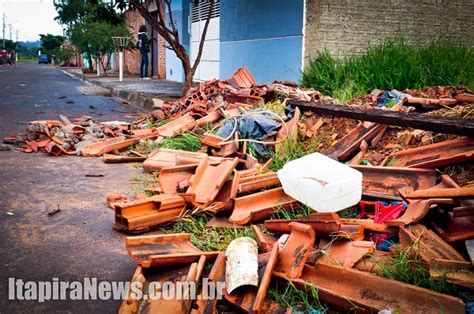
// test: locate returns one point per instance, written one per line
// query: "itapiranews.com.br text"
(93, 289)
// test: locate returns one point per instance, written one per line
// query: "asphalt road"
(77, 242)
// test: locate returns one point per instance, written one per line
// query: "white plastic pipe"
(120, 65)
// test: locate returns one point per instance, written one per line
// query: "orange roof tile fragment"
(209, 179)
(258, 206)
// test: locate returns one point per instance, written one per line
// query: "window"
(200, 9)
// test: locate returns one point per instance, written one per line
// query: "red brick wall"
(132, 58)
(161, 58)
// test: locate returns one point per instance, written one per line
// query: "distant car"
(42, 58)
(3, 56)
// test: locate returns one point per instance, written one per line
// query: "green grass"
(208, 238)
(160, 123)
(26, 59)
(189, 141)
(301, 212)
(290, 296)
(291, 152)
(395, 64)
(407, 266)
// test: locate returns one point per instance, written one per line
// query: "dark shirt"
(143, 43)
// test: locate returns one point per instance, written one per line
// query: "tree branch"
(156, 23)
(203, 36)
(173, 25)
(162, 19)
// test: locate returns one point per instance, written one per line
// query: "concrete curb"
(135, 98)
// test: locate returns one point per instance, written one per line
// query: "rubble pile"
(404, 205)
(374, 190)
(76, 136)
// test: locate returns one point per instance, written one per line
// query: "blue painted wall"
(264, 35)
(174, 69)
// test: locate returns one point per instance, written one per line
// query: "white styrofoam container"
(321, 183)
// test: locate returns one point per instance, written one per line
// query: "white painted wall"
(209, 66)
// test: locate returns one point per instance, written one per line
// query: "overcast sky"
(29, 17)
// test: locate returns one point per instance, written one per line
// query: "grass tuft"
(291, 152)
(208, 238)
(407, 266)
(290, 296)
(395, 64)
(189, 141)
(300, 212)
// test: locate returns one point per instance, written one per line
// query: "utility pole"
(4, 30)
(16, 35)
(9, 25)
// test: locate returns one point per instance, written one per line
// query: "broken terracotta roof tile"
(145, 133)
(164, 250)
(258, 206)
(351, 141)
(171, 177)
(295, 251)
(436, 155)
(374, 262)
(254, 183)
(343, 288)
(265, 242)
(387, 182)
(143, 214)
(211, 140)
(252, 300)
(113, 159)
(174, 126)
(457, 193)
(453, 229)
(209, 179)
(114, 199)
(429, 245)
(209, 118)
(164, 157)
(106, 146)
(457, 272)
(418, 208)
(56, 150)
(207, 304)
(222, 222)
(346, 253)
(320, 226)
(224, 200)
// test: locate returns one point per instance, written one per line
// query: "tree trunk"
(188, 80)
(171, 36)
(89, 58)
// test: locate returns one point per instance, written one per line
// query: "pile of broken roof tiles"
(406, 203)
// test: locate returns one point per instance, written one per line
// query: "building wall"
(346, 27)
(263, 35)
(174, 68)
(132, 58)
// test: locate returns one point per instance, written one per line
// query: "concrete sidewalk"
(132, 89)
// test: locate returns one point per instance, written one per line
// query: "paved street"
(78, 241)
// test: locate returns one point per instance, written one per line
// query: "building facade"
(275, 39)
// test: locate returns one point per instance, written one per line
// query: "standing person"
(13, 57)
(9, 58)
(143, 44)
